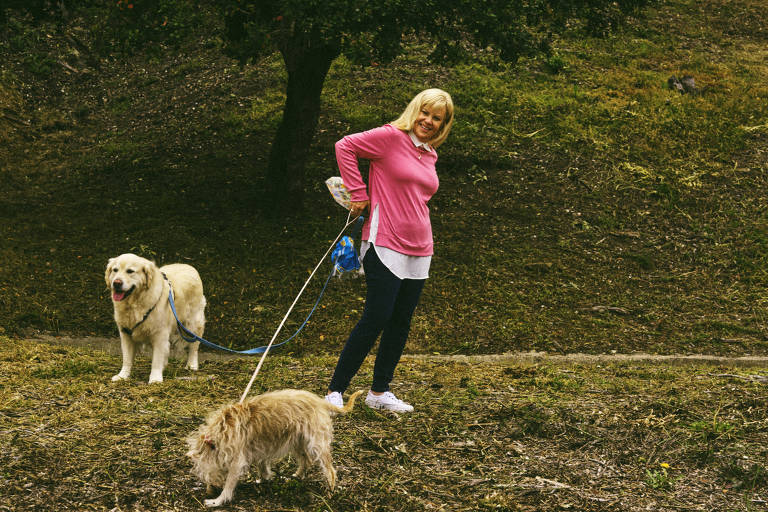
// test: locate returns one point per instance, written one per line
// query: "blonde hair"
(433, 98)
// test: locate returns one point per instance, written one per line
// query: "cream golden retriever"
(261, 430)
(143, 314)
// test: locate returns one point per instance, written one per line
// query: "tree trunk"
(307, 68)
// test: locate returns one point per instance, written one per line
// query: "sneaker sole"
(385, 408)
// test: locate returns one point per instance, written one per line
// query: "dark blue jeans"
(389, 306)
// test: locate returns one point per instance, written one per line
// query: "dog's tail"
(350, 403)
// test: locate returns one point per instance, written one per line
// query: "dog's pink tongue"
(118, 296)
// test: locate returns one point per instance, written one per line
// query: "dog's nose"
(117, 285)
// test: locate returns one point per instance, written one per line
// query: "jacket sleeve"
(369, 145)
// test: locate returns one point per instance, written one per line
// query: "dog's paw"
(156, 375)
(216, 502)
(119, 377)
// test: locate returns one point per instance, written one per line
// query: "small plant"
(711, 430)
(711, 436)
(532, 419)
(467, 383)
(555, 64)
(38, 63)
(659, 478)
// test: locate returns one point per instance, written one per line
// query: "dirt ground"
(112, 346)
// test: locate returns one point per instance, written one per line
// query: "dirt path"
(112, 346)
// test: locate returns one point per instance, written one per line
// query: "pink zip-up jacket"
(402, 179)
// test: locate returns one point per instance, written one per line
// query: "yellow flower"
(664, 465)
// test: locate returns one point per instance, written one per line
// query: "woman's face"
(428, 122)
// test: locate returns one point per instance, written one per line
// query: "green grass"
(570, 182)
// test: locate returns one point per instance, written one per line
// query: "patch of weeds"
(39, 64)
(562, 382)
(498, 502)
(467, 384)
(710, 436)
(265, 114)
(69, 368)
(530, 418)
(263, 109)
(622, 386)
(660, 478)
(711, 430)
(287, 487)
(555, 64)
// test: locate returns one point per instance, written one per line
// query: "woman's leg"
(395, 334)
(382, 291)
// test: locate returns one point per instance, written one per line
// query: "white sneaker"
(387, 401)
(335, 398)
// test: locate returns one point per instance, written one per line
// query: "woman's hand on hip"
(356, 208)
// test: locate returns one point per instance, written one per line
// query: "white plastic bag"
(339, 191)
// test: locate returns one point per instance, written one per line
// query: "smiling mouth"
(117, 296)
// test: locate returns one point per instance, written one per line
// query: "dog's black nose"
(117, 285)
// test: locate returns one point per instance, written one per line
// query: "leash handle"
(264, 355)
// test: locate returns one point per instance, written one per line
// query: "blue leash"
(192, 337)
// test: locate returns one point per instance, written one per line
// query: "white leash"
(258, 367)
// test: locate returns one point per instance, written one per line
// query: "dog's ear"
(109, 271)
(148, 270)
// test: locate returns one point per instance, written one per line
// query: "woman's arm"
(370, 145)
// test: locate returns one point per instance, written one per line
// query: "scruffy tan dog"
(261, 430)
(143, 314)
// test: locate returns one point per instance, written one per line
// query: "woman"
(397, 235)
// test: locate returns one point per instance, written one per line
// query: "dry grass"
(487, 435)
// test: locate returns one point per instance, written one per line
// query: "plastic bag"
(339, 191)
(344, 258)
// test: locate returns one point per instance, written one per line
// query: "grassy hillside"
(584, 206)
